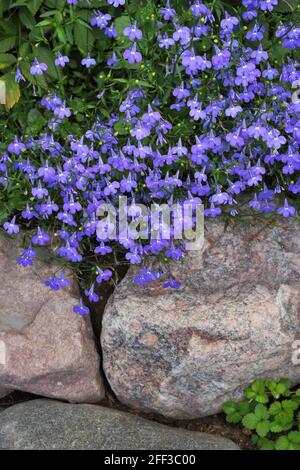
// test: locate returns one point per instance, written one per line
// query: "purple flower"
(26, 258)
(172, 283)
(112, 60)
(212, 211)
(81, 309)
(229, 23)
(103, 249)
(16, 147)
(133, 32)
(140, 131)
(11, 227)
(100, 19)
(62, 111)
(38, 68)
(61, 60)
(111, 31)
(165, 42)
(134, 257)
(92, 296)
(41, 238)
(39, 192)
(182, 34)
(221, 58)
(233, 111)
(116, 3)
(103, 275)
(198, 9)
(19, 77)
(287, 210)
(257, 33)
(132, 55)
(167, 12)
(267, 4)
(259, 55)
(88, 61)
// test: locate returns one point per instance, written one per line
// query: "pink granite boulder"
(184, 352)
(45, 348)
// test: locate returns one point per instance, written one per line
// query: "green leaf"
(229, 407)
(275, 427)
(282, 443)
(263, 428)
(289, 405)
(120, 23)
(7, 43)
(61, 34)
(26, 18)
(33, 5)
(83, 37)
(294, 436)
(275, 408)
(257, 392)
(287, 6)
(234, 418)
(55, 4)
(12, 90)
(6, 60)
(250, 421)
(265, 444)
(9, 27)
(261, 412)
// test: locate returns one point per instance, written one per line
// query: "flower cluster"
(224, 132)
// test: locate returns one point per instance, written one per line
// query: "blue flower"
(81, 309)
(88, 61)
(11, 227)
(38, 68)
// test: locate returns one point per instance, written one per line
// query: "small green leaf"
(84, 37)
(6, 60)
(7, 43)
(294, 436)
(263, 428)
(282, 443)
(261, 412)
(26, 18)
(33, 5)
(275, 408)
(265, 444)
(250, 421)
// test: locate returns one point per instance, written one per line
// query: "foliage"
(161, 103)
(271, 412)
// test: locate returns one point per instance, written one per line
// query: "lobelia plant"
(173, 103)
(271, 412)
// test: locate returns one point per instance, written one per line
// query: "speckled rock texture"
(51, 425)
(184, 352)
(45, 348)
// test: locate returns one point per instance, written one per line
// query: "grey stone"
(184, 352)
(47, 424)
